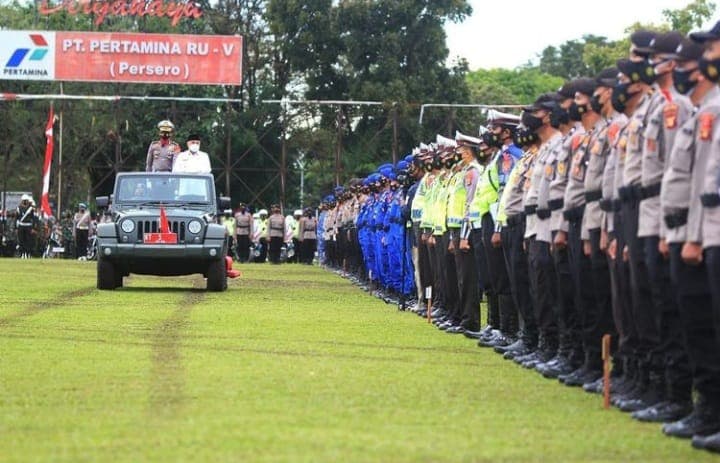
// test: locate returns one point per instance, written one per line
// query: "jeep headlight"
(127, 226)
(194, 227)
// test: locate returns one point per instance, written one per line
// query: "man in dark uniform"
(161, 153)
(25, 219)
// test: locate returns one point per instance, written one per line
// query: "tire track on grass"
(34, 308)
(167, 382)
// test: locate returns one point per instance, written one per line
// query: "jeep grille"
(151, 226)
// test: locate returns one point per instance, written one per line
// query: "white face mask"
(194, 147)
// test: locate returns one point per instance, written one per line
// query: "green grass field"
(290, 364)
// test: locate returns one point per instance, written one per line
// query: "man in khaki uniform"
(161, 153)
(244, 223)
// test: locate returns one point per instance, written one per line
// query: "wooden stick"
(606, 370)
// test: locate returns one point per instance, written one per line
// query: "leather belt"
(530, 210)
(606, 205)
(677, 219)
(710, 200)
(574, 214)
(515, 220)
(630, 193)
(556, 204)
(650, 191)
(592, 196)
(543, 214)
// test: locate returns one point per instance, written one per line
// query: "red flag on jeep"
(164, 228)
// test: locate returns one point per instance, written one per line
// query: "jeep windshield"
(173, 189)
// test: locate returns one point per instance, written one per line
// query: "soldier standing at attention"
(25, 215)
(244, 224)
(161, 153)
(276, 233)
(81, 223)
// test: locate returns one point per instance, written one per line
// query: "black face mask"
(710, 69)
(437, 163)
(165, 135)
(559, 116)
(621, 96)
(682, 82)
(575, 114)
(533, 123)
(642, 71)
(595, 104)
(492, 140)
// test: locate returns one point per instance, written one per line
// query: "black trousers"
(585, 300)
(622, 296)
(25, 240)
(437, 261)
(243, 248)
(670, 352)
(483, 270)
(642, 308)
(307, 251)
(452, 297)
(568, 319)
(296, 247)
(599, 318)
(712, 259)
(276, 243)
(263, 251)
(468, 291)
(499, 281)
(516, 262)
(81, 242)
(230, 242)
(699, 335)
(544, 283)
(424, 267)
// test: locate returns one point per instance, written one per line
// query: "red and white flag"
(164, 226)
(49, 145)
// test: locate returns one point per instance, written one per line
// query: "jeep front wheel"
(106, 274)
(217, 276)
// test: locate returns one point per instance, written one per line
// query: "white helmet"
(25, 197)
(297, 212)
(263, 212)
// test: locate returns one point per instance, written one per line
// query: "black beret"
(689, 50)
(545, 101)
(193, 137)
(608, 77)
(567, 90)
(585, 85)
(664, 43)
(641, 41)
(704, 36)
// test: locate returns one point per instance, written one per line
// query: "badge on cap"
(670, 113)
(706, 126)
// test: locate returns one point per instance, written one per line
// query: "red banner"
(49, 145)
(148, 58)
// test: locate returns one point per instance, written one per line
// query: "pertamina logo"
(29, 58)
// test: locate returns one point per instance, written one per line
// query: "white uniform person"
(192, 161)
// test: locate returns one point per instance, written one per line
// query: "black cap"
(641, 41)
(585, 85)
(567, 90)
(704, 36)
(545, 101)
(193, 137)
(689, 50)
(665, 43)
(607, 77)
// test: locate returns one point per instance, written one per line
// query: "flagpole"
(60, 166)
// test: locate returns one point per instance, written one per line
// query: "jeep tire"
(217, 276)
(107, 274)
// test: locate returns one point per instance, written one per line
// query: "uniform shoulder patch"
(670, 113)
(705, 128)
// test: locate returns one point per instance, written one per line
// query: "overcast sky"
(507, 33)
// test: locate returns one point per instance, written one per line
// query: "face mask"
(533, 123)
(164, 135)
(642, 71)
(621, 96)
(710, 68)
(575, 114)
(595, 104)
(682, 82)
(194, 147)
(559, 116)
(437, 163)
(492, 139)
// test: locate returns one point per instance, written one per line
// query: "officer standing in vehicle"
(161, 153)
